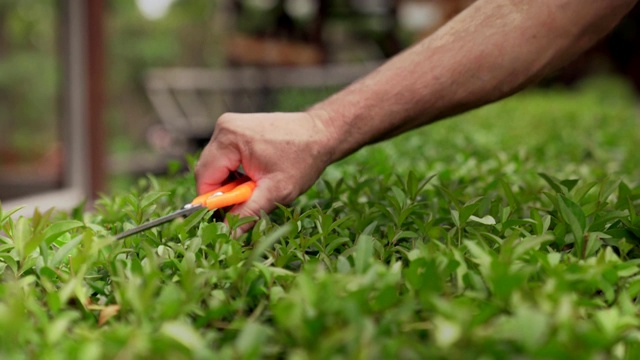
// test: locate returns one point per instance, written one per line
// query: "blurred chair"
(188, 101)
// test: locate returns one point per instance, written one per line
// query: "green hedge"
(509, 232)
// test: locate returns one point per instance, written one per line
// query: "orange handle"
(235, 192)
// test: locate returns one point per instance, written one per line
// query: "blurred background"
(94, 93)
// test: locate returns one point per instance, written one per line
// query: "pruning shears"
(235, 192)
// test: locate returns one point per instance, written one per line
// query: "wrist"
(334, 126)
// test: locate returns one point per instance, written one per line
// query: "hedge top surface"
(511, 231)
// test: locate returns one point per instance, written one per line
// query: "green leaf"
(555, 184)
(478, 254)
(10, 261)
(192, 220)
(581, 191)
(594, 243)
(607, 187)
(251, 340)
(49, 273)
(455, 216)
(267, 241)
(424, 274)
(624, 193)
(468, 209)
(531, 243)
(58, 228)
(486, 220)
(528, 327)
(150, 198)
(576, 219)
(511, 198)
(363, 254)
(6, 215)
(23, 238)
(446, 332)
(335, 243)
(342, 265)
(569, 184)
(184, 334)
(239, 221)
(65, 250)
(59, 327)
(450, 196)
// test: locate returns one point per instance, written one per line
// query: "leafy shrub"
(508, 232)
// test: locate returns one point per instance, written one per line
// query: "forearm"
(490, 51)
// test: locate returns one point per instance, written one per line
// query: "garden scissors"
(235, 192)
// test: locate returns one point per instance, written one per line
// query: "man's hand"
(284, 153)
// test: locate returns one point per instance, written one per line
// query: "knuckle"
(286, 193)
(224, 121)
(247, 210)
(251, 212)
(227, 128)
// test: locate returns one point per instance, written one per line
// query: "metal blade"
(159, 221)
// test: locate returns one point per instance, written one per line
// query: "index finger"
(215, 165)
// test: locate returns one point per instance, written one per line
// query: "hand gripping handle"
(235, 192)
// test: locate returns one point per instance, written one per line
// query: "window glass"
(30, 148)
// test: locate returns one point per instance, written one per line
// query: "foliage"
(509, 232)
